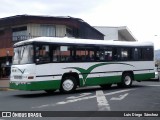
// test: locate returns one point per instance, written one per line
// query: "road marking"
(121, 97)
(80, 99)
(103, 104)
(153, 85)
(81, 95)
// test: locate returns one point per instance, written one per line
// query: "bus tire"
(68, 85)
(50, 91)
(126, 80)
(106, 86)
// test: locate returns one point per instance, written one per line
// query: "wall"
(111, 33)
(120, 37)
(5, 38)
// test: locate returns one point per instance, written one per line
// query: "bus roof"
(82, 41)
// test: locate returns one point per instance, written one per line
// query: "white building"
(116, 33)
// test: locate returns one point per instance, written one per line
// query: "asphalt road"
(143, 96)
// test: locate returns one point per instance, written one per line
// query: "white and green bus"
(49, 63)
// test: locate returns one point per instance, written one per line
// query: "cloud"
(141, 16)
(47, 7)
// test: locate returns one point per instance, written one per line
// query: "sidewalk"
(4, 84)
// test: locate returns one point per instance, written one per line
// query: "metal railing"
(22, 38)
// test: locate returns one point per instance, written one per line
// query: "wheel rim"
(68, 85)
(127, 80)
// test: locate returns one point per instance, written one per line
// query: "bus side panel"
(145, 76)
(103, 80)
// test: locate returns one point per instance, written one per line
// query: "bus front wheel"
(126, 80)
(68, 84)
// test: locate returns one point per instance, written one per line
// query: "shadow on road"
(40, 94)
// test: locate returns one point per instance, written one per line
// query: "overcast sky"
(140, 16)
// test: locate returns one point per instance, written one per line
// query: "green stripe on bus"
(55, 84)
(144, 76)
(101, 80)
(88, 70)
(42, 85)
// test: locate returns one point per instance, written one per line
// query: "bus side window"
(135, 54)
(42, 54)
(124, 54)
(56, 54)
(108, 54)
(115, 55)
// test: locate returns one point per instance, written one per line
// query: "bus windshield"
(23, 55)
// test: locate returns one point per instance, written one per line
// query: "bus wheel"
(106, 86)
(50, 91)
(126, 80)
(68, 85)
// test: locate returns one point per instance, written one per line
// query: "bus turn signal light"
(30, 77)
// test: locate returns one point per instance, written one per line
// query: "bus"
(50, 63)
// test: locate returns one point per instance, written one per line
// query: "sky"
(140, 16)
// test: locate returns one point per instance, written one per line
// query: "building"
(22, 27)
(116, 33)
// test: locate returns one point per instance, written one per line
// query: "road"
(143, 96)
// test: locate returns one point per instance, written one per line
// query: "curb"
(4, 89)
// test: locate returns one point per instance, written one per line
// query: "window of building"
(48, 30)
(69, 32)
(19, 33)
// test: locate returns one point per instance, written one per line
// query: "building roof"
(25, 19)
(122, 30)
(126, 33)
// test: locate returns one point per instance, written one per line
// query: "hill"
(157, 54)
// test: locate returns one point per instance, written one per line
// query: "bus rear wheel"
(68, 85)
(126, 80)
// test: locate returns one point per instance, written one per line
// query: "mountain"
(157, 54)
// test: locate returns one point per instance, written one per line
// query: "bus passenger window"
(56, 54)
(42, 54)
(108, 54)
